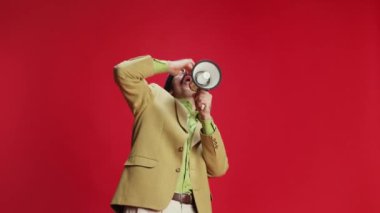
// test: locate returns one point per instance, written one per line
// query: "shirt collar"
(189, 108)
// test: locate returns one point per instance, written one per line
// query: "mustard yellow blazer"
(160, 129)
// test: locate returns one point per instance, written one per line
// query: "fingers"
(203, 93)
(203, 100)
(189, 65)
(191, 61)
(185, 65)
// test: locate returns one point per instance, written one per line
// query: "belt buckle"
(189, 195)
(185, 198)
(182, 197)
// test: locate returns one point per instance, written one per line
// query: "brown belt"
(184, 198)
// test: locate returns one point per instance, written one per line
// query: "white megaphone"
(205, 75)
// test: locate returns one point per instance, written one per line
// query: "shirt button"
(178, 170)
(180, 149)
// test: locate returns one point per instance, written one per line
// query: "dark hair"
(169, 83)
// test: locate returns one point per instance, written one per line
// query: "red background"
(298, 107)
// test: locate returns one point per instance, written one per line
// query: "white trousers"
(173, 207)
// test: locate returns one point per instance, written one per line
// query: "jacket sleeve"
(130, 76)
(214, 154)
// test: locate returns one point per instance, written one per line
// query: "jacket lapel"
(182, 120)
(181, 115)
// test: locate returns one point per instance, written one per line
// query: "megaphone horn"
(205, 75)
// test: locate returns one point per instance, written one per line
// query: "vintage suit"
(160, 129)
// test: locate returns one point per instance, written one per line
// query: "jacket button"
(178, 170)
(180, 149)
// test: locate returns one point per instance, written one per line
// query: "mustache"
(183, 77)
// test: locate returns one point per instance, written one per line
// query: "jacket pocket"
(140, 161)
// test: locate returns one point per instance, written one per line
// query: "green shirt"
(183, 182)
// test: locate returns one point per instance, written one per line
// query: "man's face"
(181, 86)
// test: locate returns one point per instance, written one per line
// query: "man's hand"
(175, 67)
(203, 101)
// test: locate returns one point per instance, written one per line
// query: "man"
(175, 144)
